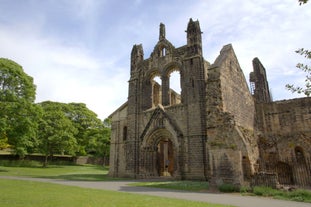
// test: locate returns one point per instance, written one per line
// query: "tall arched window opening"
(156, 91)
(175, 88)
(162, 52)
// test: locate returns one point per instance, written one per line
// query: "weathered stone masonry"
(215, 129)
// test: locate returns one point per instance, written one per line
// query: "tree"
(302, 1)
(87, 124)
(93, 135)
(307, 69)
(72, 129)
(56, 131)
(100, 139)
(18, 125)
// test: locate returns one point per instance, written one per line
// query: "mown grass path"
(219, 198)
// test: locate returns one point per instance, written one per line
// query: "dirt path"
(227, 199)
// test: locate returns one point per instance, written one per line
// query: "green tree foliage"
(84, 132)
(4, 142)
(18, 113)
(90, 128)
(99, 143)
(302, 1)
(47, 127)
(307, 69)
(56, 131)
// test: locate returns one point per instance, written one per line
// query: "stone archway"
(159, 155)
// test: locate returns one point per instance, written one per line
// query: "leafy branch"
(305, 68)
(302, 1)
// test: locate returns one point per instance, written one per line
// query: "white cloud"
(78, 51)
(270, 30)
(66, 74)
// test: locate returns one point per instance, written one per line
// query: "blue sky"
(79, 50)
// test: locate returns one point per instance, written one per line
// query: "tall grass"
(295, 195)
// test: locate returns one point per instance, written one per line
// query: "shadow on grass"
(1, 170)
(83, 177)
(195, 186)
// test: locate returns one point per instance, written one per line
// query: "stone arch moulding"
(160, 154)
(160, 45)
(160, 120)
(172, 66)
(157, 135)
(152, 73)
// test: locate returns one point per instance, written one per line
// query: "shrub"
(265, 191)
(227, 188)
(20, 163)
(245, 189)
(300, 195)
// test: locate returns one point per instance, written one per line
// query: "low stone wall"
(39, 158)
(81, 160)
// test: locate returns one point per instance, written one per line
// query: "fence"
(289, 172)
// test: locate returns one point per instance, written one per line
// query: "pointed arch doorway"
(160, 154)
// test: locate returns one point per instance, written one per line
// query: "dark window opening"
(299, 155)
(124, 133)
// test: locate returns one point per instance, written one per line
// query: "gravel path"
(227, 199)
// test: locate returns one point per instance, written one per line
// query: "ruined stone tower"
(208, 131)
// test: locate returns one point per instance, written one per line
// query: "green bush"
(245, 189)
(62, 162)
(20, 163)
(227, 188)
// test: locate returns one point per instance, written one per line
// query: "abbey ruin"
(217, 129)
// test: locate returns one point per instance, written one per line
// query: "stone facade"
(214, 129)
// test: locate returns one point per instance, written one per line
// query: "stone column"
(165, 91)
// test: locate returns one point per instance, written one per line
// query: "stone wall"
(226, 166)
(285, 125)
(284, 117)
(119, 135)
(285, 139)
(230, 114)
(236, 98)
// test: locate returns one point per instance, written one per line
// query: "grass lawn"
(99, 173)
(18, 193)
(66, 172)
(296, 195)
